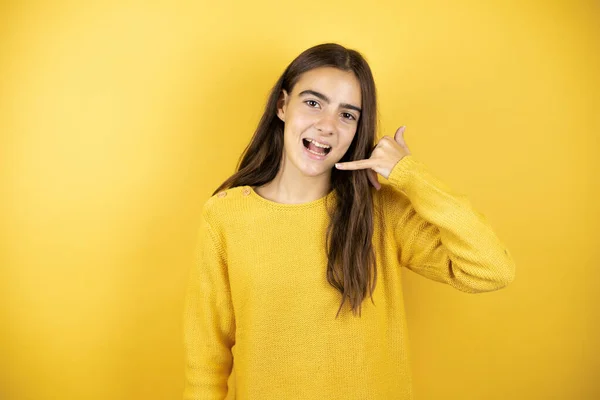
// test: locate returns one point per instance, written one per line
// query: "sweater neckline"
(290, 206)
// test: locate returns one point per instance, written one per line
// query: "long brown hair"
(351, 258)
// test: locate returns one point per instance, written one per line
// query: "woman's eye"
(312, 103)
(348, 116)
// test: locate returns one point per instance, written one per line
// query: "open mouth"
(313, 147)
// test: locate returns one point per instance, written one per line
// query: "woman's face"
(320, 116)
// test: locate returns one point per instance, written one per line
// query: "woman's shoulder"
(390, 194)
(225, 204)
(227, 196)
(390, 201)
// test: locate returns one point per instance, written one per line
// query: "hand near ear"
(384, 157)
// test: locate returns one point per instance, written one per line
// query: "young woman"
(293, 243)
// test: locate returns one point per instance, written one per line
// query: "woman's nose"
(326, 124)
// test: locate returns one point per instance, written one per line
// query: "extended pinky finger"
(373, 178)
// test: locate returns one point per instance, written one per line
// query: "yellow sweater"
(260, 315)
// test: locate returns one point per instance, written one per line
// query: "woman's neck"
(293, 187)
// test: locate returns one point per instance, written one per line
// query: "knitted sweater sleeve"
(442, 237)
(209, 323)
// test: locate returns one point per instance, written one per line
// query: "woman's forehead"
(338, 85)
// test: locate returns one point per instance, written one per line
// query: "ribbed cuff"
(402, 172)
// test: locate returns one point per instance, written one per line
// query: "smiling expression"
(321, 116)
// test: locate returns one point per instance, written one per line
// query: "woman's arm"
(209, 323)
(442, 237)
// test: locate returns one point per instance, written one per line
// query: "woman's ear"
(282, 105)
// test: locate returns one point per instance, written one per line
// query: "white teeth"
(314, 152)
(324, 146)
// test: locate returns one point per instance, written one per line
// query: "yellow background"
(117, 121)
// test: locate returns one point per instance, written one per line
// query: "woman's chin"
(316, 170)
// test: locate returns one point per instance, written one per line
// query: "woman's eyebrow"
(326, 99)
